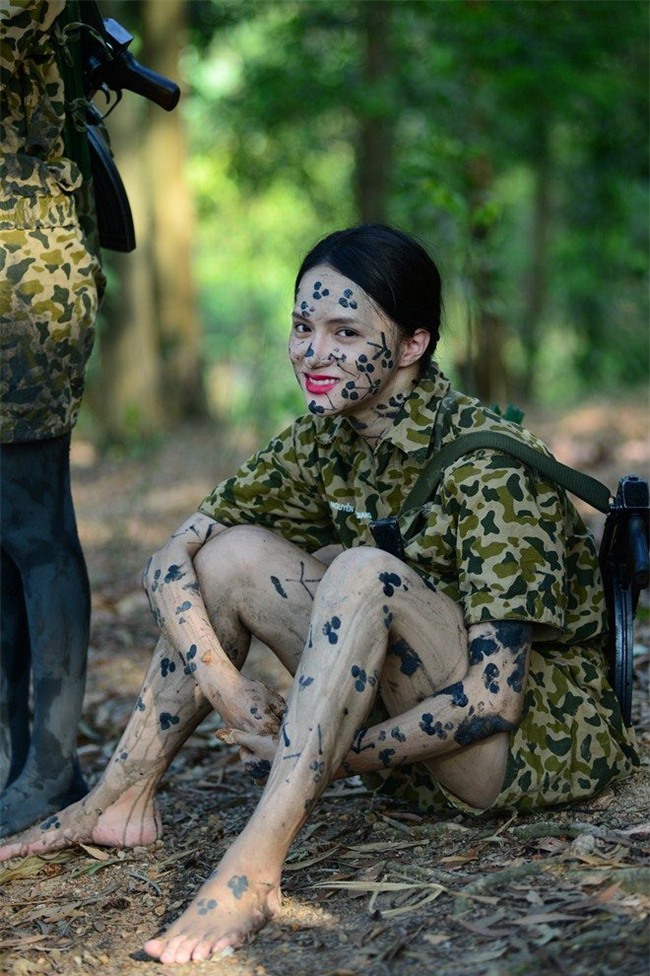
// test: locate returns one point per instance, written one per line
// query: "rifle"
(107, 66)
(625, 568)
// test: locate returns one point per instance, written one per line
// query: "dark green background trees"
(512, 137)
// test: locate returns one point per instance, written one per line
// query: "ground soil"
(370, 887)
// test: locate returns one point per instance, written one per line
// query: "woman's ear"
(413, 347)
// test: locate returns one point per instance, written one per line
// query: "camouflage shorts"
(571, 742)
(49, 296)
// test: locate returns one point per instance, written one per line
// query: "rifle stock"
(624, 565)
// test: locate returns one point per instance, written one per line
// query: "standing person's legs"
(39, 533)
(14, 673)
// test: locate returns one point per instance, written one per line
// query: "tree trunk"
(172, 219)
(488, 368)
(537, 278)
(150, 345)
(375, 139)
(130, 381)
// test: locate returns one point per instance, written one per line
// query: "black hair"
(394, 270)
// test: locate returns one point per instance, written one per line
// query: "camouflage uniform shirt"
(499, 539)
(51, 283)
(496, 537)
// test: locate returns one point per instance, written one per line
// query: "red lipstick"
(318, 385)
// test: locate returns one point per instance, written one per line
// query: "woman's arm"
(488, 700)
(172, 586)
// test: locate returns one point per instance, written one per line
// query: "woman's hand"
(256, 752)
(249, 706)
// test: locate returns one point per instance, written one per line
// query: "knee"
(233, 554)
(362, 568)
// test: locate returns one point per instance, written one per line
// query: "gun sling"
(620, 589)
(588, 489)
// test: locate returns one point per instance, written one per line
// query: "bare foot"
(130, 821)
(227, 909)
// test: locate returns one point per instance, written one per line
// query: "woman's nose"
(319, 350)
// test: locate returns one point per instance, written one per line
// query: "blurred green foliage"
(514, 143)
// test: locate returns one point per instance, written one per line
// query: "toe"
(203, 949)
(154, 947)
(178, 950)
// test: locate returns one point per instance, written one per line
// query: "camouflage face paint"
(330, 628)
(238, 884)
(480, 727)
(319, 292)
(344, 350)
(205, 905)
(410, 660)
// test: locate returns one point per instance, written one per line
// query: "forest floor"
(370, 887)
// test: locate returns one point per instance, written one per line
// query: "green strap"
(588, 489)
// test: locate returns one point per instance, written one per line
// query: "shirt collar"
(411, 429)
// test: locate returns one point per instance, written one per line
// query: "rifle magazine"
(114, 218)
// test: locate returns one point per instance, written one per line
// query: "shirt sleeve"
(508, 528)
(278, 489)
(22, 25)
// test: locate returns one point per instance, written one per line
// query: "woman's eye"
(348, 333)
(300, 328)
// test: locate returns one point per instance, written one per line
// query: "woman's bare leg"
(259, 583)
(120, 810)
(333, 691)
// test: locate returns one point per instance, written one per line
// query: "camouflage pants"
(49, 294)
(571, 742)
